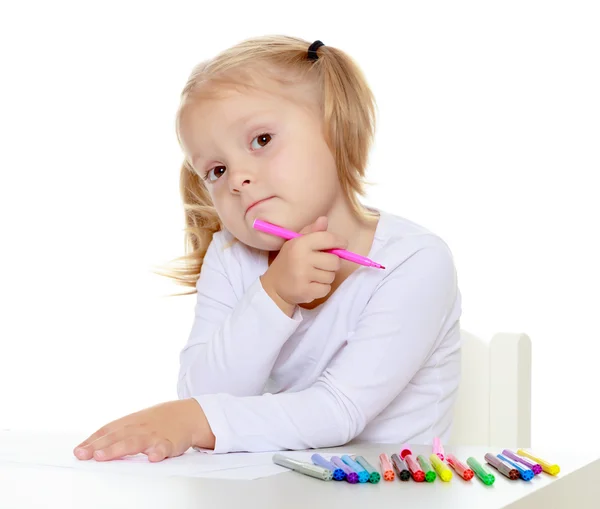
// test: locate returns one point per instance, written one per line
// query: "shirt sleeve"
(234, 342)
(396, 333)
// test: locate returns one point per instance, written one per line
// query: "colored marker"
(438, 450)
(503, 468)
(363, 475)
(351, 475)
(374, 476)
(549, 468)
(537, 469)
(386, 467)
(525, 473)
(338, 473)
(461, 469)
(263, 226)
(400, 466)
(486, 477)
(430, 474)
(405, 450)
(441, 469)
(303, 468)
(414, 468)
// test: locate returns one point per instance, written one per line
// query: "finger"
(319, 225)
(325, 277)
(132, 444)
(104, 430)
(321, 241)
(161, 450)
(319, 290)
(83, 450)
(88, 451)
(325, 261)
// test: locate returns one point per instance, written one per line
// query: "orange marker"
(386, 467)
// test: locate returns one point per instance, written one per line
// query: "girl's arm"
(398, 331)
(234, 340)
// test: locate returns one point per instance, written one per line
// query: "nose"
(239, 178)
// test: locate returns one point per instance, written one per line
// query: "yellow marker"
(440, 467)
(546, 467)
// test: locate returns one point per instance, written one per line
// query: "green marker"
(430, 474)
(374, 476)
(486, 477)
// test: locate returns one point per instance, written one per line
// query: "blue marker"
(338, 473)
(525, 473)
(363, 475)
(351, 475)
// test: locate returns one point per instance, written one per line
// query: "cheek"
(283, 168)
(219, 200)
(300, 166)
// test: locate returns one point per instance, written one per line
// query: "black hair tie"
(312, 50)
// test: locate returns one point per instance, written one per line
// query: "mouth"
(257, 203)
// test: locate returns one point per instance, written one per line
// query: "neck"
(359, 230)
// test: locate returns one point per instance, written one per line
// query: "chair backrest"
(494, 398)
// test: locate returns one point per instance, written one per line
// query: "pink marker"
(263, 226)
(438, 450)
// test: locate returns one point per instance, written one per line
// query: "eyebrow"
(242, 121)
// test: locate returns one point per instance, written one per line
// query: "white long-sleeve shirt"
(379, 361)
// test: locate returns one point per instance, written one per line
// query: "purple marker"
(338, 473)
(537, 469)
(351, 475)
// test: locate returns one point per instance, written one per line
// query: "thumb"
(319, 225)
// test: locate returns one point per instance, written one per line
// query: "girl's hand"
(302, 271)
(161, 431)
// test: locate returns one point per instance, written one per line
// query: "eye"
(262, 140)
(219, 170)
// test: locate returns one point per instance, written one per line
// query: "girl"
(293, 347)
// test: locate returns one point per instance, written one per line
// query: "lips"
(257, 202)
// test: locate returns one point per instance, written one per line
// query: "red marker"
(414, 468)
(461, 469)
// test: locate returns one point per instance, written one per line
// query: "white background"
(489, 135)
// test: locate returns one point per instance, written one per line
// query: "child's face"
(255, 146)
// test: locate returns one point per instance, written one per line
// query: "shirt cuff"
(218, 423)
(266, 302)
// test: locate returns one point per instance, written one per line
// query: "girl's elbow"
(347, 426)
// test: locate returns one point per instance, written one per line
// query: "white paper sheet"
(56, 450)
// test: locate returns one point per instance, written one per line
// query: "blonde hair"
(349, 117)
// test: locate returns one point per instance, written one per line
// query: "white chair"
(494, 399)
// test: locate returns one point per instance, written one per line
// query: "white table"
(26, 486)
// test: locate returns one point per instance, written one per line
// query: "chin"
(267, 242)
(276, 217)
(260, 240)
